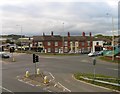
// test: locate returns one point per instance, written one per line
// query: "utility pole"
(21, 35)
(63, 38)
(112, 36)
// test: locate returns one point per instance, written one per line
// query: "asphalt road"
(62, 68)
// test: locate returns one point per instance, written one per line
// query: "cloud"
(37, 17)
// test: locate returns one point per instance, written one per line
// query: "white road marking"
(113, 69)
(64, 87)
(52, 75)
(60, 83)
(84, 61)
(49, 91)
(26, 82)
(6, 89)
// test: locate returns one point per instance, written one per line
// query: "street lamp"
(63, 38)
(112, 36)
(21, 35)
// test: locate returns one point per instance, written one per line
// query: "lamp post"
(21, 35)
(112, 37)
(63, 38)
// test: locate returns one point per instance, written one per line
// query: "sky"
(33, 17)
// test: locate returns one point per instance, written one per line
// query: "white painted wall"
(94, 44)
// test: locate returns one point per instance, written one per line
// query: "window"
(49, 49)
(56, 43)
(39, 43)
(56, 49)
(65, 43)
(49, 43)
(65, 49)
(83, 43)
(76, 44)
(97, 43)
(88, 43)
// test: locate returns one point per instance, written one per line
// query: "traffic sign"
(94, 61)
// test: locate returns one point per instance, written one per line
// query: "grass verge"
(81, 76)
(108, 59)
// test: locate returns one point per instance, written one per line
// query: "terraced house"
(63, 44)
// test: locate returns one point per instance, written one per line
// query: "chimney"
(90, 34)
(43, 34)
(68, 34)
(51, 33)
(83, 34)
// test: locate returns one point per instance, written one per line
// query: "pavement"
(61, 67)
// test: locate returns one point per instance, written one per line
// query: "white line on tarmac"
(6, 89)
(52, 75)
(26, 82)
(60, 83)
(49, 91)
(113, 69)
(64, 87)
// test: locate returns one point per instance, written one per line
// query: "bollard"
(45, 80)
(13, 59)
(27, 74)
(38, 71)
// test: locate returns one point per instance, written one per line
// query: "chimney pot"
(68, 34)
(43, 34)
(83, 34)
(51, 33)
(90, 34)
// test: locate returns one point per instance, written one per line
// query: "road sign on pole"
(94, 63)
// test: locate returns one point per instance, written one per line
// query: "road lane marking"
(52, 75)
(6, 89)
(26, 82)
(49, 91)
(59, 83)
(113, 69)
(84, 61)
(64, 87)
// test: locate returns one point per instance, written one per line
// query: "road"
(62, 68)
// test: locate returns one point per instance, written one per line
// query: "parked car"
(4, 55)
(100, 53)
(93, 54)
(85, 52)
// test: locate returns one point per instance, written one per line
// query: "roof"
(47, 38)
(101, 39)
(53, 38)
(72, 38)
(38, 38)
(77, 38)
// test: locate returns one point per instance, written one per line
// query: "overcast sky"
(37, 16)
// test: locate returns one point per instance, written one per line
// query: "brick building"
(63, 44)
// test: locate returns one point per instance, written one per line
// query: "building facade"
(63, 44)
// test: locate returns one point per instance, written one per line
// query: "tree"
(99, 35)
(8, 41)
